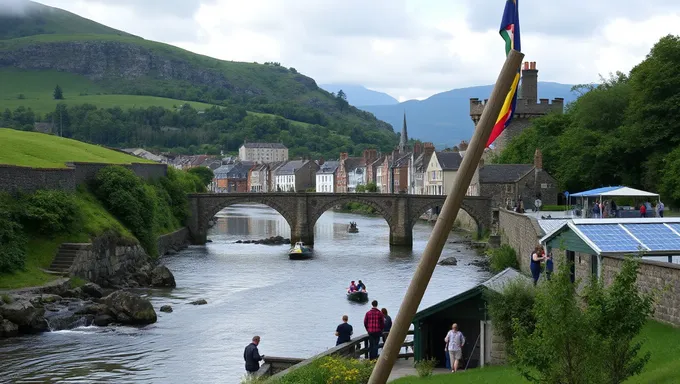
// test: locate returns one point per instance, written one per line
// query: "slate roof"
(290, 167)
(328, 167)
(221, 172)
(265, 145)
(238, 171)
(449, 161)
(352, 163)
(503, 173)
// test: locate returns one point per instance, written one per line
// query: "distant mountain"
(358, 95)
(444, 118)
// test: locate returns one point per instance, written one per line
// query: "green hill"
(26, 18)
(33, 149)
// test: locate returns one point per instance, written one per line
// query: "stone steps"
(66, 255)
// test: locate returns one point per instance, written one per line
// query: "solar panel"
(675, 226)
(657, 236)
(609, 237)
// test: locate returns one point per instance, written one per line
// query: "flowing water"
(251, 290)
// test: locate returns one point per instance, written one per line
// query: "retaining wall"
(173, 241)
(105, 257)
(27, 179)
(521, 232)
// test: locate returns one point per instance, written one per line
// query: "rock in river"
(199, 302)
(162, 277)
(24, 314)
(103, 320)
(166, 308)
(8, 329)
(92, 290)
(128, 308)
(449, 261)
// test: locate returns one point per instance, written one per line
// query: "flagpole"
(446, 218)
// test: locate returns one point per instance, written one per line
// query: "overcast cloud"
(407, 48)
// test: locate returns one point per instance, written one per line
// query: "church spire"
(403, 141)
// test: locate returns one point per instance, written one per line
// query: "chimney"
(538, 159)
(428, 148)
(343, 156)
(321, 160)
(529, 87)
(463, 146)
(417, 148)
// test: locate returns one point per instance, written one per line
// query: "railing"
(356, 348)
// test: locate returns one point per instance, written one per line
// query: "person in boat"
(361, 287)
(352, 287)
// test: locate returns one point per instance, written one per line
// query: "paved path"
(405, 368)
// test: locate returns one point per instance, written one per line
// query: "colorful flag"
(510, 33)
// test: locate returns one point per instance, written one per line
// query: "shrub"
(12, 239)
(76, 282)
(204, 174)
(331, 370)
(50, 212)
(425, 367)
(513, 305)
(5, 298)
(502, 257)
(124, 195)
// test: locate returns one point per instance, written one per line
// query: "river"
(251, 289)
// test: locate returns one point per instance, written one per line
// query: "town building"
(325, 176)
(296, 176)
(372, 170)
(528, 107)
(418, 167)
(508, 184)
(440, 173)
(352, 171)
(232, 177)
(258, 178)
(263, 152)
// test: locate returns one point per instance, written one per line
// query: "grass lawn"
(664, 366)
(47, 151)
(41, 251)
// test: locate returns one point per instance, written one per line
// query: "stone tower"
(528, 106)
(403, 141)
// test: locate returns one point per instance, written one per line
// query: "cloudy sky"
(407, 48)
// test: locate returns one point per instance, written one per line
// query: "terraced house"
(325, 176)
(440, 173)
(296, 176)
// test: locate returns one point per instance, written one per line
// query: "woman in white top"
(454, 346)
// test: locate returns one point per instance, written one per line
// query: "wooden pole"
(445, 221)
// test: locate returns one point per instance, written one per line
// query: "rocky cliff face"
(116, 60)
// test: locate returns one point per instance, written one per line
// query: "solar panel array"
(635, 237)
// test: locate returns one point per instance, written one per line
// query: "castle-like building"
(528, 106)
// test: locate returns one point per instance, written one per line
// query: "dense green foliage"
(185, 130)
(502, 257)
(330, 370)
(511, 309)
(205, 174)
(12, 238)
(624, 131)
(50, 212)
(584, 341)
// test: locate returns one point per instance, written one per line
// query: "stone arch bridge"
(301, 210)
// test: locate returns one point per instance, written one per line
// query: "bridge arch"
(417, 210)
(320, 208)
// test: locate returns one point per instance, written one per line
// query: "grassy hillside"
(26, 18)
(47, 151)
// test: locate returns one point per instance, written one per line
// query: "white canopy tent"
(628, 192)
(604, 192)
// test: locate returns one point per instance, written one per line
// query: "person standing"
(454, 345)
(660, 208)
(388, 324)
(536, 258)
(374, 322)
(548, 265)
(344, 331)
(252, 356)
(643, 210)
(596, 210)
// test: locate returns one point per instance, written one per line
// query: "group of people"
(360, 287)
(538, 256)
(377, 323)
(608, 208)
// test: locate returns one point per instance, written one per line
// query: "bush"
(513, 305)
(331, 370)
(502, 257)
(12, 239)
(125, 196)
(204, 174)
(50, 212)
(425, 367)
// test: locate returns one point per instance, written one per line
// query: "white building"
(325, 177)
(263, 152)
(440, 173)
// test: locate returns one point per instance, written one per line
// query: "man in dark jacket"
(374, 322)
(252, 356)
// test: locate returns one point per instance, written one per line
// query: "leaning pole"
(446, 218)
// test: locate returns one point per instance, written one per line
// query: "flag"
(510, 33)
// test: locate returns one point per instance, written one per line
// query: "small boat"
(352, 228)
(358, 296)
(300, 252)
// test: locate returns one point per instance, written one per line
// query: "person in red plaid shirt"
(374, 322)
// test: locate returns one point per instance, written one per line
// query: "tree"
(342, 95)
(204, 173)
(341, 99)
(372, 187)
(58, 95)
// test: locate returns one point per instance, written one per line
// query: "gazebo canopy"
(617, 191)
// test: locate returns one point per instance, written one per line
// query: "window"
(509, 188)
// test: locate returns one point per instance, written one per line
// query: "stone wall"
(521, 232)
(173, 241)
(498, 353)
(28, 179)
(14, 179)
(105, 257)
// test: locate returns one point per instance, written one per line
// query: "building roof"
(449, 161)
(328, 167)
(624, 236)
(264, 145)
(496, 283)
(618, 191)
(352, 163)
(503, 173)
(290, 167)
(549, 225)
(401, 160)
